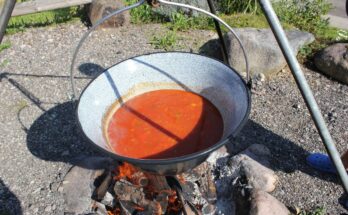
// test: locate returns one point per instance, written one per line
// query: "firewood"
(102, 183)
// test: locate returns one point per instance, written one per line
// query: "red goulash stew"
(164, 124)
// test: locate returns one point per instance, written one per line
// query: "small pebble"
(296, 106)
(48, 208)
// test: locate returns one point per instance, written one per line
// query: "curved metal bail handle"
(85, 36)
(248, 77)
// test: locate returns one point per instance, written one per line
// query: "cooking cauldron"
(210, 78)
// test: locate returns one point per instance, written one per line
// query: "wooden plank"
(44, 5)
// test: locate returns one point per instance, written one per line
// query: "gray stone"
(255, 167)
(262, 49)
(108, 200)
(168, 10)
(77, 190)
(261, 151)
(77, 187)
(48, 208)
(263, 203)
(333, 61)
(101, 8)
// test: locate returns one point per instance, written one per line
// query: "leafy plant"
(318, 211)
(4, 46)
(238, 6)
(180, 22)
(143, 14)
(4, 63)
(342, 35)
(306, 15)
(166, 42)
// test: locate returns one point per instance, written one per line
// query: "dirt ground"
(40, 142)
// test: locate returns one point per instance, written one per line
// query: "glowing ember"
(145, 192)
(125, 170)
(174, 205)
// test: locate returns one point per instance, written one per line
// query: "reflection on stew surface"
(164, 124)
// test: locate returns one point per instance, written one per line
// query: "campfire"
(129, 190)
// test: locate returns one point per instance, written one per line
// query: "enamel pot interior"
(172, 70)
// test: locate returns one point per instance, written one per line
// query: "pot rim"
(205, 152)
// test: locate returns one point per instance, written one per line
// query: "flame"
(138, 208)
(174, 205)
(125, 170)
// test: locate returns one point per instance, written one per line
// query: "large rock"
(333, 61)
(77, 190)
(254, 164)
(263, 203)
(168, 10)
(77, 187)
(262, 49)
(101, 8)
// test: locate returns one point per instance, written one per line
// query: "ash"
(224, 176)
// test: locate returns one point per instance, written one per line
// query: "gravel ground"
(39, 142)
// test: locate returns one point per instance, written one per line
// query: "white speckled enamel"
(173, 70)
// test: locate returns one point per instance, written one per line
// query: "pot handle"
(101, 21)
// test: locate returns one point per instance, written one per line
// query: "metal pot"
(210, 78)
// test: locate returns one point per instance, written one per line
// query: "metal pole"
(5, 15)
(305, 90)
(218, 29)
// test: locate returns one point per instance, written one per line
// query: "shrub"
(306, 15)
(143, 14)
(238, 6)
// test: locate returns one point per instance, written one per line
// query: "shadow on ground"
(9, 203)
(55, 136)
(91, 69)
(212, 49)
(287, 156)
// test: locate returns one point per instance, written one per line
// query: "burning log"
(198, 185)
(138, 192)
(208, 188)
(126, 191)
(128, 208)
(140, 179)
(102, 183)
(188, 208)
(158, 185)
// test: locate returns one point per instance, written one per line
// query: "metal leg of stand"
(5, 15)
(305, 89)
(218, 30)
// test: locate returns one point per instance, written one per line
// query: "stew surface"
(164, 124)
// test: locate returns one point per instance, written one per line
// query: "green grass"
(307, 15)
(238, 6)
(166, 41)
(332, 35)
(4, 46)
(318, 211)
(143, 14)
(20, 23)
(4, 63)
(241, 20)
